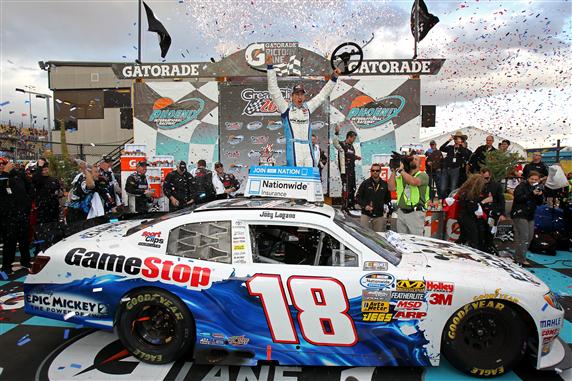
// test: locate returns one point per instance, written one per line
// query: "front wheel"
(155, 326)
(484, 338)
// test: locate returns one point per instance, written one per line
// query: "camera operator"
(374, 198)
(527, 196)
(412, 187)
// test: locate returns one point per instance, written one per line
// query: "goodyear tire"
(155, 326)
(485, 338)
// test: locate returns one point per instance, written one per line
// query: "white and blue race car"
(247, 281)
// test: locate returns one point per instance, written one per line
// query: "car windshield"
(371, 239)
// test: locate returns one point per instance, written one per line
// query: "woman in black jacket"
(527, 196)
(470, 210)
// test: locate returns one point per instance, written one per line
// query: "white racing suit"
(296, 121)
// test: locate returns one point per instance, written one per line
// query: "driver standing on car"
(296, 116)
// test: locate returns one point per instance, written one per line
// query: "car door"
(299, 301)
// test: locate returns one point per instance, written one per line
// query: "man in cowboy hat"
(455, 162)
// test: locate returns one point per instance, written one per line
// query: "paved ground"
(37, 348)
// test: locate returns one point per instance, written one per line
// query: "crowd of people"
(37, 210)
(456, 178)
(27, 142)
(35, 205)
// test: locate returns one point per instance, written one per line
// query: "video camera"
(397, 159)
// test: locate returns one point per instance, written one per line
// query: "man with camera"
(374, 199)
(412, 187)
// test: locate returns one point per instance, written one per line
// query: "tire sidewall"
(511, 351)
(184, 329)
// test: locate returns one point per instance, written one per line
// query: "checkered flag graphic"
(293, 67)
(254, 106)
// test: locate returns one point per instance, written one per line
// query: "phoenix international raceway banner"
(177, 118)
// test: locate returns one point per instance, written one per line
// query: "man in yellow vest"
(412, 197)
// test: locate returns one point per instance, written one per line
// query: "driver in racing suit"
(296, 117)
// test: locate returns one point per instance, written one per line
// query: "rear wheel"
(155, 326)
(485, 338)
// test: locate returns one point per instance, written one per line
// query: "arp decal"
(152, 268)
(409, 315)
(377, 280)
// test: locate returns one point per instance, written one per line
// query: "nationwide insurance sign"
(285, 182)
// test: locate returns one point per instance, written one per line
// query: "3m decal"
(322, 306)
(152, 268)
(407, 285)
(377, 280)
(497, 295)
(460, 315)
(409, 315)
(374, 306)
(439, 286)
(376, 317)
(441, 299)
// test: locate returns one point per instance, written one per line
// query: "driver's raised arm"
(315, 102)
(273, 88)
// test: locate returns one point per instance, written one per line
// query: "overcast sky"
(508, 67)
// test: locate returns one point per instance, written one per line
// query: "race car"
(274, 281)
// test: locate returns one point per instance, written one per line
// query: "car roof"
(268, 204)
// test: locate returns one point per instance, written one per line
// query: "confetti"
(69, 315)
(98, 289)
(66, 334)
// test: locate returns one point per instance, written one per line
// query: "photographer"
(412, 187)
(527, 196)
(374, 198)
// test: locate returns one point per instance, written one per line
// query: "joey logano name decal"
(150, 268)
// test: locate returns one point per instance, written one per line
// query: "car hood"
(111, 230)
(453, 259)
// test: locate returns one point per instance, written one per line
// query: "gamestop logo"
(152, 239)
(150, 268)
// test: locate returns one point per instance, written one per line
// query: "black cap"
(107, 159)
(182, 165)
(299, 88)
(218, 164)
(142, 163)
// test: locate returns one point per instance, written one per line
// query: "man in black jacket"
(536, 165)
(477, 159)
(527, 196)
(15, 204)
(374, 198)
(138, 190)
(454, 163)
(205, 191)
(47, 194)
(493, 204)
(179, 187)
(346, 162)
